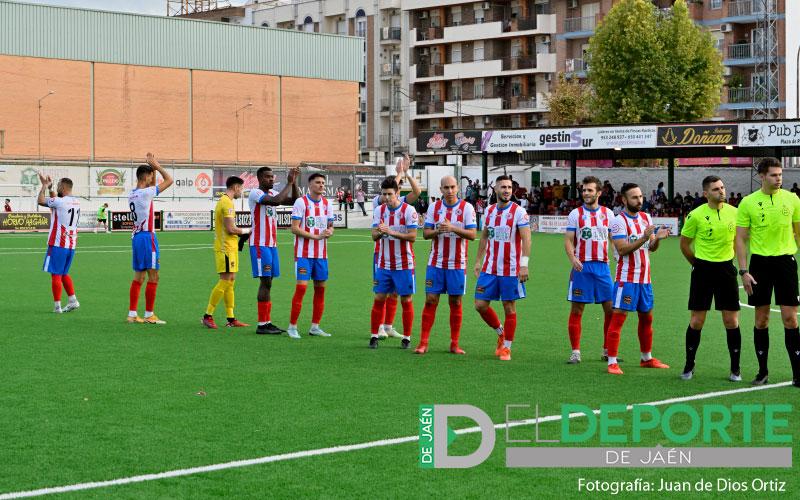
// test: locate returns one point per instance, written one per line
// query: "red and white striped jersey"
(449, 251)
(376, 202)
(591, 232)
(264, 232)
(634, 267)
(64, 215)
(140, 201)
(314, 217)
(395, 254)
(504, 247)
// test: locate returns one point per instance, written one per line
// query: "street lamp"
(237, 127)
(48, 94)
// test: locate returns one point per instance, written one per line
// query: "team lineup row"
(768, 220)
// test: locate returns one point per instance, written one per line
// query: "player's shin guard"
(297, 302)
(136, 288)
(456, 317)
(692, 344)
(606, 324)
(761, 341)
(614, 332)
(408, 317)
(55, 283)
(229, 301)
(68, 286)
(792, 339)
(150, 296)
(574, 329)
(734, 338)
(376, 318)
(646, 334)
(264, 310)
(428, 317)
(216, 295)
(490, 317)
(391, 310)
(509, 328)
(319, 305)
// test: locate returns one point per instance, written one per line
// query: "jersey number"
(72, 214)
(133, 212)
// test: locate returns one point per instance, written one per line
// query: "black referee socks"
(734, 338)
(792, 338)
(761, 341)
(692, 343)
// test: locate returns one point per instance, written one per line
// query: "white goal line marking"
(163, 248)
(345, 448)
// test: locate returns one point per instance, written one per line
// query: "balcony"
(383, 140)
(748, 9)
(520, 102)
(389, 70)
(430, 70)
(746, 98)
(430, 107)
(385, 102)
(502, 66)
(576, 67)
(579, 27)
(518, 63)
(390, 35)
(431, 33)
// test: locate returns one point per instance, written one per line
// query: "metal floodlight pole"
(39, 133)
(237, 127)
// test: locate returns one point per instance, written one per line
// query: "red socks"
(408, 318)
(150, 296)
(455, 323)
(319, 304)
(68, 286)
(378, 311)
(136, 288)
(491, 319)
(428, 317)
(55, 283)
(391, 310)
(646, 333)
(510, 326)
(614, 330)
(606, 324)
(297, 303)
(264, 310)
(574, 328)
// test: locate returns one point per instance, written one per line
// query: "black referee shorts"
(777, 273)
(713, 280)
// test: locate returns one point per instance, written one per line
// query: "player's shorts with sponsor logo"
(402, 282)
(145, 251)
(58, 260)
(264, 262)
(449, 281)
(715, 281)
(226, 261)
(633, 297)
(491, 287)
(306, 269)
(592, 285)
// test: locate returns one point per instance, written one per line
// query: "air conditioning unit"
(385, 33)
(548, 77)
(727, 71)
(572, 4)
(726, 27)
(486, 5)
(424, 51)
(387, 67)
(423, 14)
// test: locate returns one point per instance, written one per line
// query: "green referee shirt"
(770, 219)
(713, 231)
(101, 213)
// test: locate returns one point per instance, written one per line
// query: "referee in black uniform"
(770, 219)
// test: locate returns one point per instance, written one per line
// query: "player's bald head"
(448, 180)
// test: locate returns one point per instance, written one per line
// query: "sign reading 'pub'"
(698, 135)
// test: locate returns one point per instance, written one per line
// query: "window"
(455, 12)
(455, 91)
(479, 16)
(479, 89)
(516, 47)
(265, 25)
(516, 87)
(719, 37)
(341, 27)
(308, 25)
(516, 121)
(455, 53)
(478, 51)
(361, 23)
(478, 122)
(716, 4)
(514, 8)
(436, 96)
(436, 21)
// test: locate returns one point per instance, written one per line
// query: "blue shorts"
(593, 285)
(491, 287)
(449, 281)
(265, 262)
(401, 282)
(58, 260)
(374, 266)
(633, 297)
(311, 269)
(145, 252)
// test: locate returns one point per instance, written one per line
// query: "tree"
(570, 103)
(648, 65)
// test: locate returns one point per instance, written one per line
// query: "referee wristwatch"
(742, 272)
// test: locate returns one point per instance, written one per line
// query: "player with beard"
(586, 244)
(634, 237)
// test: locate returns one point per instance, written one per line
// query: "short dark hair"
(314, 176)
(233, 181)
(143, 171)
(627, 187)
(389, 183)
(504, 178)
(766, 163)
(592, 180)
(711, 179)
(262, 170)
(66, 181)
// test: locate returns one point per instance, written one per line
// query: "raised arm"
(416, 190)
(287, 195)
(166, 178)
(46, 183)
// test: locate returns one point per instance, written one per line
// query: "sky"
(156, 7)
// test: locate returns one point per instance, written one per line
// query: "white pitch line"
(79, 250)
(344, 448)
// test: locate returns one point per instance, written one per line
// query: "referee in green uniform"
(712, 229)
(770, 219)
